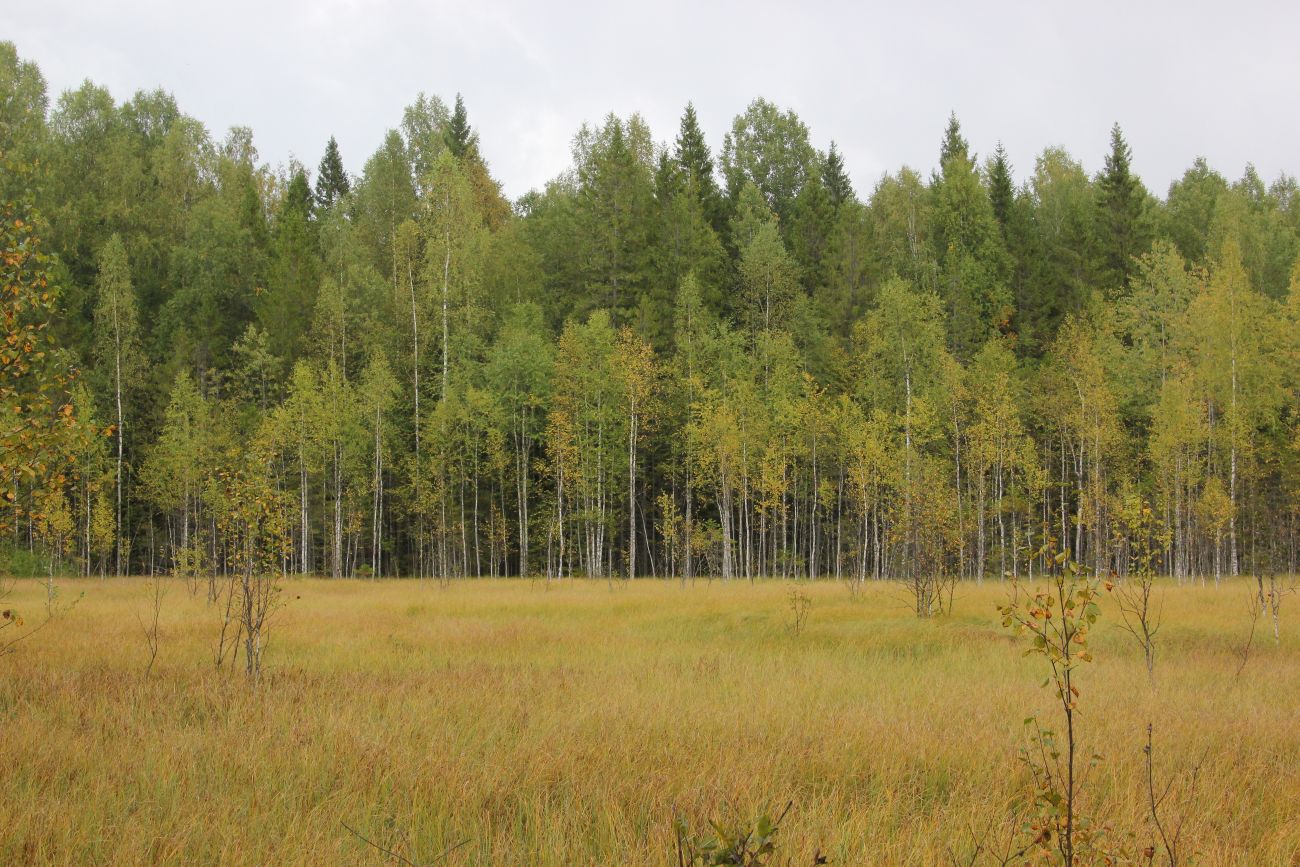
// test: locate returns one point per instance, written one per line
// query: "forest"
(679, 358)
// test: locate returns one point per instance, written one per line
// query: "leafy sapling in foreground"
(1057, 621)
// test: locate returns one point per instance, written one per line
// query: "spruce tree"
(1121, 204)
(693, 156)
(835, 178)
(331, 179)
(460, 139)
(1001, 193)
(954, 144)
(969, 248)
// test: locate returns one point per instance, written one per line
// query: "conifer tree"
(614, 210)
(1001, 191)
(691, 152)
(974, 268)
(954, 143)
(457, 135)
(331, 179)
(835, 178)
(1121, 204)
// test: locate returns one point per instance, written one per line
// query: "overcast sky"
(1183, 79)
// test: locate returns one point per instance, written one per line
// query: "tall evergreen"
(1121, 210)
(613, 211)
(835, 178)
(954, 143)
(692, 151)
(1001, 192)
(331, 180)
(460, 139)
(693, 156)
(974, 268)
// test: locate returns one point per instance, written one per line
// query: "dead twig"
(1169, 838)
(1253, 610)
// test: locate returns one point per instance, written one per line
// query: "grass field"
(570, 724)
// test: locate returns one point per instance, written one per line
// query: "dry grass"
(569, 724)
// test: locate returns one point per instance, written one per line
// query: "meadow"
(516, 722)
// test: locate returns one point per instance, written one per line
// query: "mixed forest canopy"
(678, 358)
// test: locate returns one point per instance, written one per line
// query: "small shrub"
(739, 845)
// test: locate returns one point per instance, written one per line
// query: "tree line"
(666, 362)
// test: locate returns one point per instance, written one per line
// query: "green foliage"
(835, 178)
(387, 198)
(1002, 192)
(23, 103)
(25, 563)
(695, 161)
(974, 267)
(769, 280)
(294, 270)
(456, 134)
(613, 210)
(741, 845)
(954, 144)
(332, 182)
(905, 385)
(1122, 213)
(769, 148)
(1056, 247)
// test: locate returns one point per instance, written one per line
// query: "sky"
(1183, 79)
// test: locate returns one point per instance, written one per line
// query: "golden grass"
(569, 724)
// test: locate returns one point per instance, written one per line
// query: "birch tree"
(117, 333)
